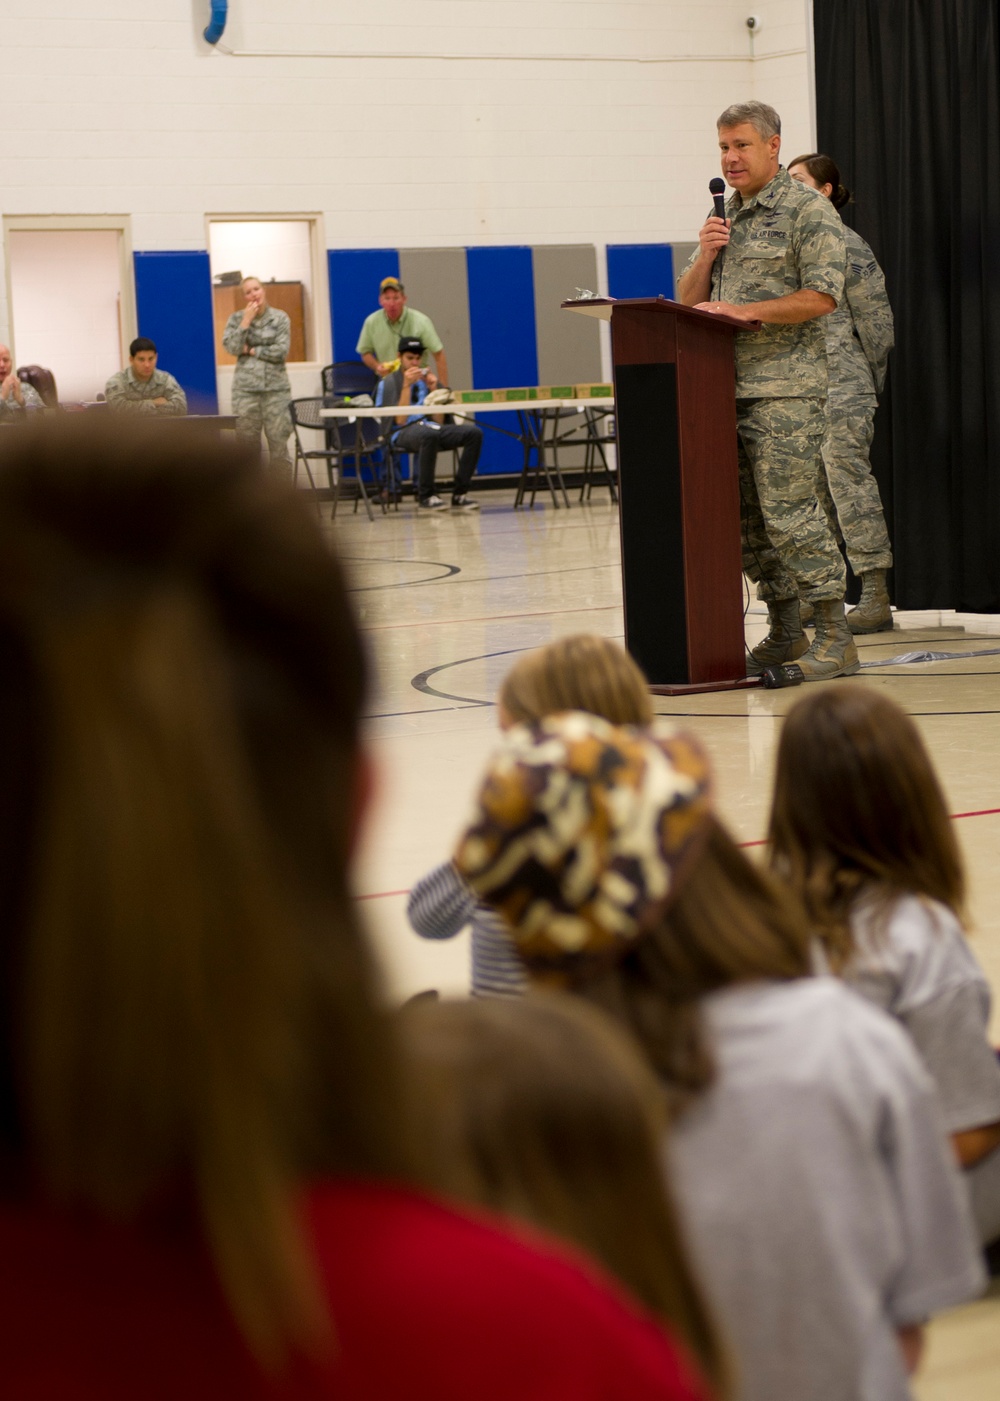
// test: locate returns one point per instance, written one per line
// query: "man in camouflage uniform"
(142, 388)
(259, 337)
(859, 336)
(17, 399)
(778, 258)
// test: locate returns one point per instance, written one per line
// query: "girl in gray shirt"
(813, 1174)
(860, 830)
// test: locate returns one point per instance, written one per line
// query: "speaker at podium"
(678, 481)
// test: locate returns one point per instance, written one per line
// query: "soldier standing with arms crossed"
(259, 337)
(778, 257)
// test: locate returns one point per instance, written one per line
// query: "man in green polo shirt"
(378, 344)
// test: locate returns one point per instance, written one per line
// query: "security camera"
(753, 23)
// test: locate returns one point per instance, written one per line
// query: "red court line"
(983, 812)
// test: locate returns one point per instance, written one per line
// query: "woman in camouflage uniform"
(859, 336)
(259, 337)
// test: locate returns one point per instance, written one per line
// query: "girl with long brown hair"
(202, 1179)
(814, 1183)
(541, 1109)
(860, 831)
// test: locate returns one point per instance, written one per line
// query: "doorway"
(71, 308)
(282, 254)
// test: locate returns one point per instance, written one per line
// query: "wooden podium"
(678, 484)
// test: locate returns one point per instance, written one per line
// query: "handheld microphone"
(717, 189)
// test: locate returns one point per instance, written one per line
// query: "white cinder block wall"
(414, 123)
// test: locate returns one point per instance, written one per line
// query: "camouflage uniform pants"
(850, 492)
(788, 542)
(267, 410)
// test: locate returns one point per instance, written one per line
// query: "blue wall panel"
(640, 270)
(355, 274)
(504, 350)
(173, 293)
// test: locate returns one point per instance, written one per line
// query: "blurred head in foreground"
(187, 1013)
(539, 1108)
(598, 845)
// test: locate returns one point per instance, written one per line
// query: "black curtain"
(907, 105)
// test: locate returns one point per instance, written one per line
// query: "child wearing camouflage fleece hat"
(810, 1165)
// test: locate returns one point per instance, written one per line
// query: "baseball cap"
(412, 344)
(392, 282)
(579, 833)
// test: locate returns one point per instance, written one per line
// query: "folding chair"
(601, 431)
(349, 377)
(343, 439)
(533, 424)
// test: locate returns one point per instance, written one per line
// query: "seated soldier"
(425, 435)
(142, 388)
(17, 399)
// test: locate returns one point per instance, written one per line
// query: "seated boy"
(422, 434)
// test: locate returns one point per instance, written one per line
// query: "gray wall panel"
(437, 283)
(569, 346)
(681, 252)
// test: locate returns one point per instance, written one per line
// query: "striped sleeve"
(441, 904)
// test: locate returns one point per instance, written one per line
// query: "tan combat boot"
(872, 613)
(833, 652)
(806, 615)
(784, 642)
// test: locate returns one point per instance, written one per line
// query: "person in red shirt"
(203, 1175)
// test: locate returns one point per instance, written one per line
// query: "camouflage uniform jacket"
(859, 334)
(33, 402)
(269, 335)
(787, 238)
(126, 393)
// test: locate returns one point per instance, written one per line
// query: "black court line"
(452, 569)
(420, 682)
(427, 710)
(488, 618)
(449, 571)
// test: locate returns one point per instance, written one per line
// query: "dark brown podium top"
(602, 307)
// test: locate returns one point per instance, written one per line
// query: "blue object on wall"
(504, 348)
(640, 270)
(217, 24)
(173, 293)
(355, 274)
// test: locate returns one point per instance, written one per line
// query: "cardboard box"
(527, 393)
(518, 396)
(474, 396)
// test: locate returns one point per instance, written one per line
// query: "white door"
(65, 312)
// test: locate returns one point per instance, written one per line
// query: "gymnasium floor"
(447, 602)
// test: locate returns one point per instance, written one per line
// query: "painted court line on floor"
(490, 618)
(955, 816)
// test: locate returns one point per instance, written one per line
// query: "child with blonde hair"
(580, 672)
